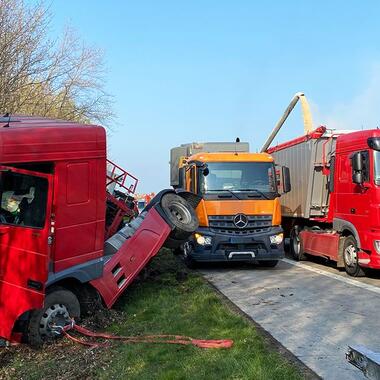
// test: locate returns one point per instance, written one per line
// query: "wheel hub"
(296, 244)
(350, 256)
(180, 212)
(55, 316)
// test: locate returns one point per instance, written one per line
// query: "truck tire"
(180, 214)
(89, 300)
(268, 263)
(296, 246)
(60, 306)
(350, 257)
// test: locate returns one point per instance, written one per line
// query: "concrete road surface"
(315, 311)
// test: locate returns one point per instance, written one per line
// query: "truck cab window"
(23, 200)
(192, 180)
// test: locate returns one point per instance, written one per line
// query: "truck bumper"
(370, 258)
(246, 247)
(371, 261)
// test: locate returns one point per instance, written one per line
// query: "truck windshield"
(239, 177)
(377, 166)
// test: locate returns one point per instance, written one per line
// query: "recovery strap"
(162, 339)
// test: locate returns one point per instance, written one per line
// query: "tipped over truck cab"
(65, 246)
(239, 212)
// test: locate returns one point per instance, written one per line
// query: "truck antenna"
(236, 141)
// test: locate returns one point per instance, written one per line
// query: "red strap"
(167, 339)
(213, 343)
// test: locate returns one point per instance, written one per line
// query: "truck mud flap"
(122, 267)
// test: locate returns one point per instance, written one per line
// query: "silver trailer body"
(186, 150)
(309, 196)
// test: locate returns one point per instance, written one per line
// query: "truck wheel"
(350, 257)
(60, 307)
(180, 214)
(268, 263)
(296, 246)
(89, 300)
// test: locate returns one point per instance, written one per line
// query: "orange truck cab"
(239, 214)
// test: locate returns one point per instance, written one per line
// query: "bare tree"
(61, 79)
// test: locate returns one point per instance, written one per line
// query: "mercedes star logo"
(240, 220)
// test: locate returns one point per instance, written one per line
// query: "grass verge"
(169, 301)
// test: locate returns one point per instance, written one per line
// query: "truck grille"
(225, 224)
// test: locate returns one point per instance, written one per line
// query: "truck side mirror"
(205, 171)
(181, 177)
(357, 162)
(357, 178)
(286, 179)
(357, 168)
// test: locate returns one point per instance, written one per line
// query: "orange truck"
(239, 213)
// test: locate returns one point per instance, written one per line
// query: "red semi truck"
(333, 208)
(63, 242)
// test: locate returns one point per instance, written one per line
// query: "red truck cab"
(332, 210)
(53, 169)
(355, 199)
(57, 216)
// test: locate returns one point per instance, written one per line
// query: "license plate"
(241, 253)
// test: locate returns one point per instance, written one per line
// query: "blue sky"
(183, 71)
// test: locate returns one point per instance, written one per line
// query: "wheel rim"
(55, 315)
(350, 256)
(180, 212)
(296, 243)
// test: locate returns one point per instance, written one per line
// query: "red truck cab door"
(352, 202)
(25, 240)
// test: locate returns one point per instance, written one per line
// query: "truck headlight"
(376, 244)
(203, 240)
(276, 239)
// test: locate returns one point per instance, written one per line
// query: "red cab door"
(25, 229)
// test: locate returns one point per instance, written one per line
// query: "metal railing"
(118, 176)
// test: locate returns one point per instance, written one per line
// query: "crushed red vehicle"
(63, 240)
(333, 208)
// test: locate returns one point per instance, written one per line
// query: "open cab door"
(25, 241)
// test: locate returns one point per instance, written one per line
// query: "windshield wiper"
(230, 191)
(233, 193)
(257, 191)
